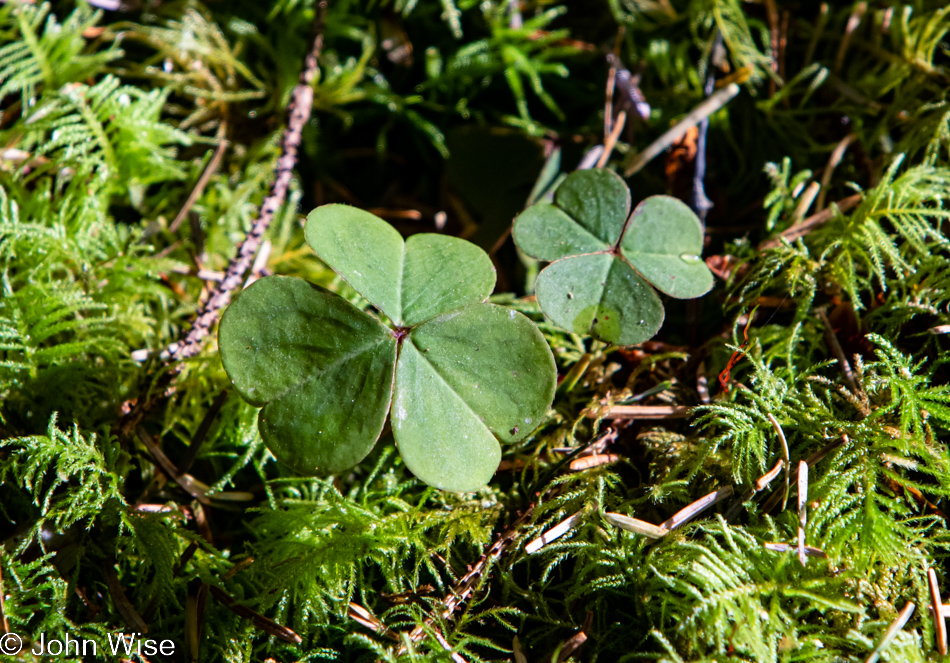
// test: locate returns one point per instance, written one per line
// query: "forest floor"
(788, 430)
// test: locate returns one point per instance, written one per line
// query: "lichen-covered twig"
(298, 112)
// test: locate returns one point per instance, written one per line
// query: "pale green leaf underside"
(663, 241)
(463, 380)
(323, 368)
(410, 281)
(602, 296)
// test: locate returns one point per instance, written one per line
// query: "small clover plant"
(606, 262)
(458, 374)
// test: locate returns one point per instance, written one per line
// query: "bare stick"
(269, 626)
(940, 625)
(891, 632)
(593, 460)
(571, 646)
(609, 99)
(804, 203)
(853, 22)
(128, 612)
(611, 140)
(836, 156)
(788, 460)
(446, 646)
(812, 222)
(516, 650)
(4, 624)
(802, 509)
(812, 460)
(687, 513)
(192, 453)
(636, 526)
(832, 339)
(209, 170)
(365, 618)
(298, 112)
(188, 483)
(554, 533)
(810, 551)
(716, 101)
(648, 412)
(701, 202)
(464, 588)
(764, 480)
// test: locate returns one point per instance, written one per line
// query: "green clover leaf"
(606, 262)
(459, 374)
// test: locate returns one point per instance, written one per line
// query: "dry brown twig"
(209, 170)
(467, 584)
(812, 222)
(265, 624)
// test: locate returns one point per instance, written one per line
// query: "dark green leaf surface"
(442, 274)
(409, 281)
(598, 200)
(663, 241)
(600, 295)
(463, 380)
(323, 367)
(362, 248)
(547, 233)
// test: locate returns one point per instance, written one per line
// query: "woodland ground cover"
(144, 145)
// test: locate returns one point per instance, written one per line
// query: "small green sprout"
(606, 261)
(458, 374)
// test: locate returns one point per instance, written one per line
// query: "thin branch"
(4, 624)
(802, 508)
(209, 170)
(611, 140)
(298, 112)
(649, 412)
(192, 453)
(837, 155)
(269, 626)
(701, 202)
(464, 588)
(812, 222)
(555, 533)
(891, 632)
(940, 624)
(188, 483)
(128, 612)
(838, 351)
(716, 101)
(788, 462)
(812, 460)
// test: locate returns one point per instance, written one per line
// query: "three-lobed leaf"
(410, 281)
(459, 373)
(604, 259)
